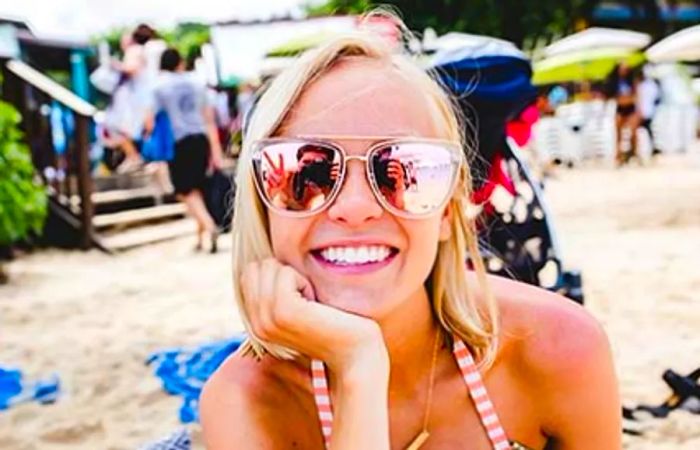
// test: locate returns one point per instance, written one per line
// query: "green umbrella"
(584, 65)
(301, 44)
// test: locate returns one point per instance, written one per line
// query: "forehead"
(367, 98)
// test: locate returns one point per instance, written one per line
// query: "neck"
(410, 336)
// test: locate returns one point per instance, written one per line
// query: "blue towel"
(179, 440)
(184, 371)
(14, 389)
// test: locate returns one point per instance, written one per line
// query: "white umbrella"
(683, 45)
(454, 46)
(596, 37)
(696, 85)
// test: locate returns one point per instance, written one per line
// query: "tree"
(23, 199)
(515, 20)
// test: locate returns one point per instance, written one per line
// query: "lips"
(355, 255)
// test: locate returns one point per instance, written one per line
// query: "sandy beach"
(94, 318)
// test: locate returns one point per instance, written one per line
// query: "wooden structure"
(112, 212)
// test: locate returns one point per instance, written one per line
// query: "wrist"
(369, 364)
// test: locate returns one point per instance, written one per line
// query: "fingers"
(269, 160)
(273, 294)
(267, 296)
(335, 171)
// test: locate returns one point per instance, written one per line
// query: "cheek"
(286, 237)
(424, 237)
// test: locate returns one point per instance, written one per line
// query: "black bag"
(219, 192)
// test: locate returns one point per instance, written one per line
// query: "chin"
(355, 301)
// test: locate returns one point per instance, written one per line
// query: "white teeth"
(356, 255)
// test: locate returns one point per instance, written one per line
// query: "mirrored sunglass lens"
(297, 176)
(415, 178)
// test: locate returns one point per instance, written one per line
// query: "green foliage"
(188, 39)
(339, 7)
(23, 200)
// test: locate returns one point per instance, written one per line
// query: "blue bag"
(160, 145)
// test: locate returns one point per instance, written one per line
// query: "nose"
(355, 204)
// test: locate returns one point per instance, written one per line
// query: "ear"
(445, 221)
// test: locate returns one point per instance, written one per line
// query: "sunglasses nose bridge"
(361, 158)
(355, 201)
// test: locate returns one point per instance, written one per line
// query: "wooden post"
(84, 180)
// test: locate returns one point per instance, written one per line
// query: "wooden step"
(119, 195)
(148, 234)
(124, 195)
(139, 215)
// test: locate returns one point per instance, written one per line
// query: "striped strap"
(323, 399)
(471, 376)
(477, 390)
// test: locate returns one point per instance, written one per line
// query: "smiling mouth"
(349, 256)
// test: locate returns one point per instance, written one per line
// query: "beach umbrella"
(683, 45)
(464, 42)
(596, 38)
(696, 85)
(584, 65)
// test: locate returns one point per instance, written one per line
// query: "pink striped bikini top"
(470, 374)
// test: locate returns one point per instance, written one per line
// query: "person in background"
(131, 98)
(648, 96)
(197, 147)
(621, 87)
(122, 123)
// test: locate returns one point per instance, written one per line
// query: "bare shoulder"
(550, 333)
(563, 355)
(256, 404)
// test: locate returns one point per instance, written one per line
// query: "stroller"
(490, 79)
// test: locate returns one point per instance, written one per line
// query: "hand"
(282, 310)
(277, 178)
(216, 162)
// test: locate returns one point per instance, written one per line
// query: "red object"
(520, 129)
(498, 176)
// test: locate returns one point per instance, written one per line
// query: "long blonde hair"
(454, 302)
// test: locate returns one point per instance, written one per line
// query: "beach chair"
(491, 80)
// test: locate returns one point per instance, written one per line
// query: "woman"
(622, 88)
(366, 330)
(130, 100)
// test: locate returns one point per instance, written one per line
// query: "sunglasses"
(410, 178)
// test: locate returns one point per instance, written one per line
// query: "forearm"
(214, 142)
(213, 134)
(361, 416)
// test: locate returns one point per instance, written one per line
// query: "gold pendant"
(419, 440)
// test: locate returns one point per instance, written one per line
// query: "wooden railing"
(29, 90)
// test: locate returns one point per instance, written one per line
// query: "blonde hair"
(454, 302)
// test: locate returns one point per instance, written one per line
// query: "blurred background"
(114, 308)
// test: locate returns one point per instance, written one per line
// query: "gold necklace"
(423, 436)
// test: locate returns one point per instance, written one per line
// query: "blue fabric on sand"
(179, 440)
(15, 389)
(184, 371)
(160, 145)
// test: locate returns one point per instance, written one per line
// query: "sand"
(94, 318)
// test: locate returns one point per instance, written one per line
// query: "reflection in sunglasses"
(409, 177)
